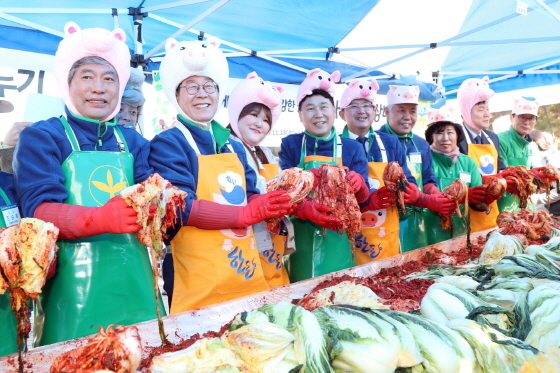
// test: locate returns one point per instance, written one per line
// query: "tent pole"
(185, 28)
(548, 9)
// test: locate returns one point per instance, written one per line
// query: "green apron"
(318, 253)
(8, 333)
(100, 280)
(509, 202)
(434, 233)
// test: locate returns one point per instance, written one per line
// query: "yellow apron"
(272, 260)
(486, 158)
(380, 232)
(213, 266)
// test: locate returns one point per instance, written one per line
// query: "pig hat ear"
(526, 105)
(77, 44)
(253, 90)
(354, 92)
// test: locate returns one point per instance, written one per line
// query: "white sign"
(521, 8)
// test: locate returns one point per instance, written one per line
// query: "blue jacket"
(353, 155)
(174, 159)
(7, 185)
(410, 146)
(43, 146)
(395, 152)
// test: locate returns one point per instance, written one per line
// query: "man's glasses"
(192, 88)
(366, 106)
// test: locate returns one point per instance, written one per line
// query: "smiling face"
(445, 139)
(402, 118)
(359, 116)
(254, 126)
(201, 106)
(317, 115)
(523, 124)
(94, 90)
(480, 116)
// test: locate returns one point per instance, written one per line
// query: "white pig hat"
(192, 58)
(526, 105)
(403, 94)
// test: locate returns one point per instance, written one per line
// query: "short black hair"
(315, 92)
(437, 126)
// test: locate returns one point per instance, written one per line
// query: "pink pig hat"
(254, 89)
(192, 58)
(525, 105)
(403, 94)
(443, 114)
(77, 44)
(471, 92)
(364, 88)
(317, 79)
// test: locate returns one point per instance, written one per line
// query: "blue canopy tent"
(474, 38)
(253, 34)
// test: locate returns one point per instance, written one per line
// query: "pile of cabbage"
(478, 318)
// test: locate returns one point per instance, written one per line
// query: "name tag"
(415, 157)
(465, 176)
(11, 215)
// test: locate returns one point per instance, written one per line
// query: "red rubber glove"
(361, 189)
(431, 189)
(477, 194)
(74, 221)
(309, 210)
(436, 202)
(213, 216)
(538, 171)
(378, 200)
(265, 206)
(411, 194)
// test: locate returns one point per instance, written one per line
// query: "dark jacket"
(463, 146)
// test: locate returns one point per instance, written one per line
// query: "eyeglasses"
(532, 118)
(365, 106)
(192, 88)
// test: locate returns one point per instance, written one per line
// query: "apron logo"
(486, 164)
(374, 219)
(374, 184)
(362, 244)
(232, 194)
(102, 185)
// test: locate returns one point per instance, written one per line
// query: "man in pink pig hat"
(319, 144)
(518, 148)
(380, 233)
(402, 112)
(481, 144)
(69, 171)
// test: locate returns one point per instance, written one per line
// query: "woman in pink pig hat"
(254, 107)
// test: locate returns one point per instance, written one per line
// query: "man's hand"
(378, 200)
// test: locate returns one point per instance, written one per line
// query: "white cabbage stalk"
(505, 357)
(369, 342)
(262, 346)
(464, 282)
(544, 311)
(502, 297)
(497, 246)
(204, 356)
(444, 302)
(443, 349)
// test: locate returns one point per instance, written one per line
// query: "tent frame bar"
(171, 5)
(62, 10)
(32, 25)
(187, 26)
